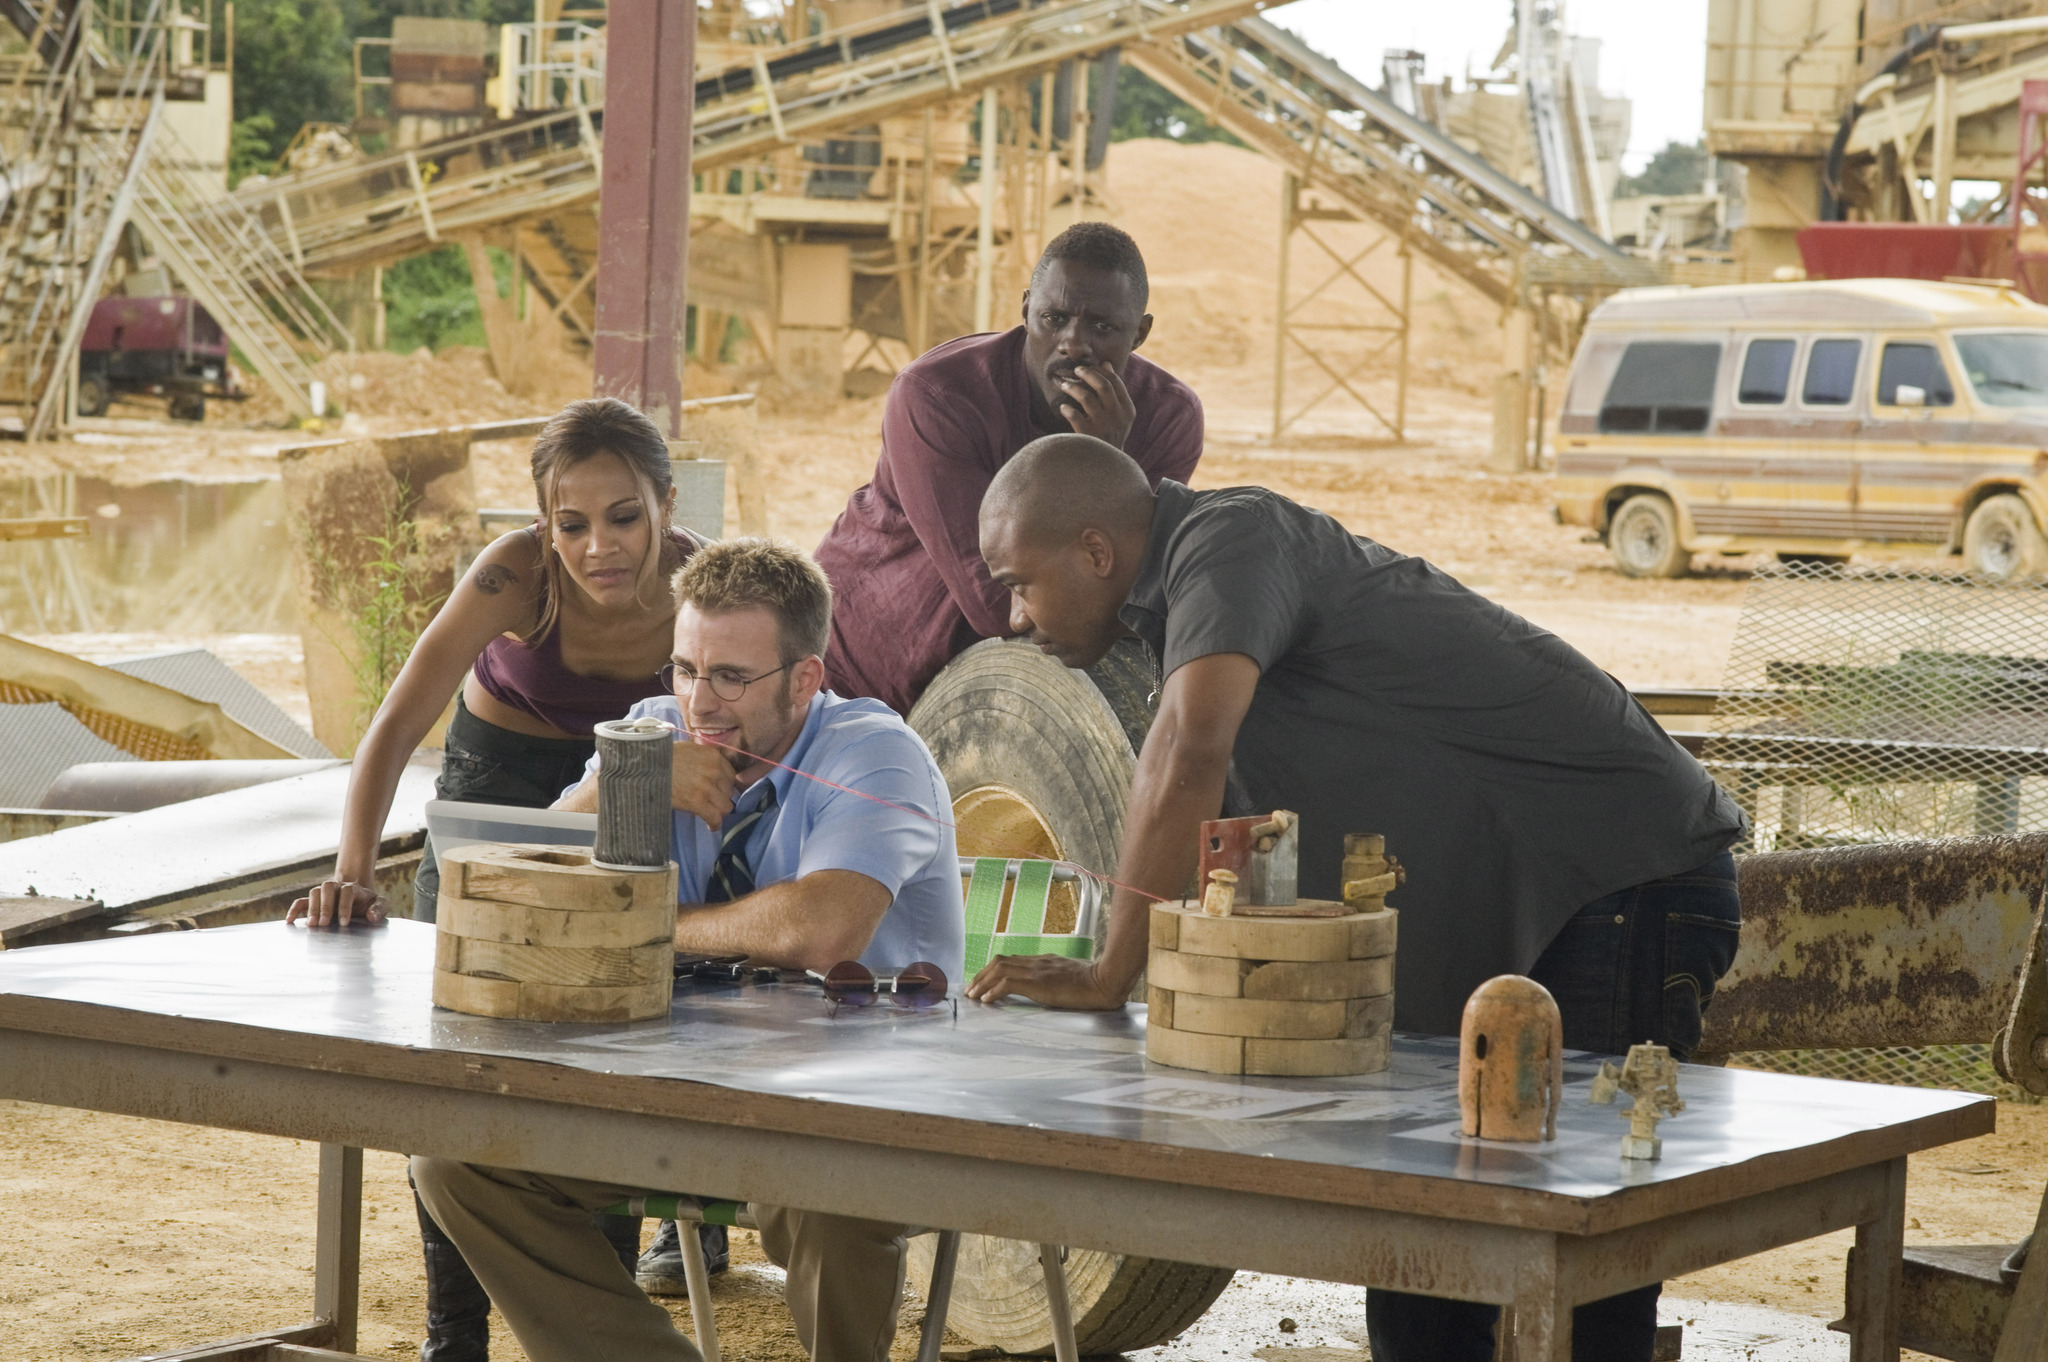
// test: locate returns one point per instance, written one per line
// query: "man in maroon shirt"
(909, 588)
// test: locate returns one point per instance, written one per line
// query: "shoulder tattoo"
(492, 578)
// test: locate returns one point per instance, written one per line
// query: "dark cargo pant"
(1638, 965)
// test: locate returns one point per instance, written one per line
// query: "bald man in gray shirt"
(1549, 826)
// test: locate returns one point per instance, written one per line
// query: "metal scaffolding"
(1297, 332)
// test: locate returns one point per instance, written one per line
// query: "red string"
(920, 813)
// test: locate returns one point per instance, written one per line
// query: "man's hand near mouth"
(1098, 404)
(702, 781)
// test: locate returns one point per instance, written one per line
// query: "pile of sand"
(1207, 217)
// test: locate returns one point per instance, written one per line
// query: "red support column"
(644, 205)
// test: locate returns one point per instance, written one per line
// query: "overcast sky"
(1654, 53)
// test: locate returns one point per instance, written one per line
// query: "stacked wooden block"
(541, 934)
(1271, 995)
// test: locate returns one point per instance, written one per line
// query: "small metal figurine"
(1221, 895)
(1510, 1061)
(1649, 1075)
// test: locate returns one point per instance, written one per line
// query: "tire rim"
(994, 820)
(1642, 540)
(1998, 552)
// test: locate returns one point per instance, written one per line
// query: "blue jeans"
(1638, 965)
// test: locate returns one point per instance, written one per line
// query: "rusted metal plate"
(1907, 943)
(1954, 1304)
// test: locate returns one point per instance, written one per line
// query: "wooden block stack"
(1271, 995)
(540, 934)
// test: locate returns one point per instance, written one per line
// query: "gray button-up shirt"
(1515, 780)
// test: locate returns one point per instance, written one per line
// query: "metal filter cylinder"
(634, 761)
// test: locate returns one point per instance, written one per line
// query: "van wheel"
(92, 395)
(1643, 537)
(2001, 540)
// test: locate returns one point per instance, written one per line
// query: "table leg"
(338, 1243)
(1542, 1312)
(1876, 1276)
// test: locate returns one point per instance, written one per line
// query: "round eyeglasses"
(725, 683)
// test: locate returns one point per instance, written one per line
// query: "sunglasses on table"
(919, 984)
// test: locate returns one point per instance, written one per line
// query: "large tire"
(1038, 760)
(1643, 537)
(92, 395)
(2002, 540)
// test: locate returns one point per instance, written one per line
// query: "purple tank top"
(535, 680)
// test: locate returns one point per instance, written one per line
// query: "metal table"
(1015, 1121)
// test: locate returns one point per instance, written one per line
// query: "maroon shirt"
(909, 588)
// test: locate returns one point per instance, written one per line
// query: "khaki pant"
(530, 1241)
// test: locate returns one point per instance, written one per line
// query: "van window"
(2008, 369)
(1831, 373)
(1915, 364)
(1592, 371)
(1662, 387)
(1766, 372)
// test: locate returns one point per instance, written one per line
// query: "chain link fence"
(1878, 704)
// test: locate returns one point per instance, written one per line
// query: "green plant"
(385, 601)
(429, 300)
(249, 150)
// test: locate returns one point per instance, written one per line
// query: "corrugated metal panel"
(40, 741)
(199, 674)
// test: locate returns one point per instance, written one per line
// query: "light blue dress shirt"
(862, 745)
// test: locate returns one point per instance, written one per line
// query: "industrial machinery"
(169, 347)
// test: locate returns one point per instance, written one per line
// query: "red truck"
(168, 346)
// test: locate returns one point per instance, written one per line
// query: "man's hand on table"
(1052, 980)
(340, 903)
(1098, 404)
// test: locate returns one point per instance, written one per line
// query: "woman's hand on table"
(340, 903)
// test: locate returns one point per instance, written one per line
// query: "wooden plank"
(1298, 908)
(549, 1002)
(1319, 980)
(1260, 938)
(1374, 934)
(1165, 928)
(1282, 1020)
(520, 925)
(1158, 1007)
(1322, 1058)
(576, 967)
(1253, 1017)
(552, 877)
(1191, 1050)
(24, 916)
(1219, 976)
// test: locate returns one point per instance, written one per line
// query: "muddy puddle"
(175, 555)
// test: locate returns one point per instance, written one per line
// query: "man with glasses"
(786, 870)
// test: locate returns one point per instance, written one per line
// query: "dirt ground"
(124, 1236)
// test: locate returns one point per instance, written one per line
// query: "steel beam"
(644, 207)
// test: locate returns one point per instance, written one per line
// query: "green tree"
(249, 147)
(1680, 168)
(1145, 108)
(292, 64)
(429, 300)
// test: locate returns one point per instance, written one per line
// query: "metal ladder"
(221, 254)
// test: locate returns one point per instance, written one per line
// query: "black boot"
(661, 1267)
(458, 1311)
